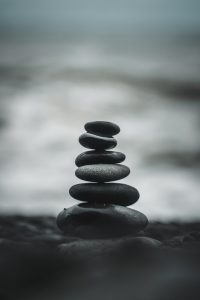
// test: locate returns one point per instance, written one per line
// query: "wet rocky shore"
(42, 230)
(38, 262)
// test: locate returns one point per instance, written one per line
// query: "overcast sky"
(55, 14)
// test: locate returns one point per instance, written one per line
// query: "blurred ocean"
(62, 68)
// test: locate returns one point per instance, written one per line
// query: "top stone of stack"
(102, 128)
(99, 135)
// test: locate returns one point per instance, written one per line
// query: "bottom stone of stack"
(96, 221)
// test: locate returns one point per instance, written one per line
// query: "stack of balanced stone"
(103, 212)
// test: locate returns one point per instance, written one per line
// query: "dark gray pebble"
(96, 249)
(141, 242)
(99, 157)
(102, 172)
(115, 193)
(100, 221)
(102, 128)
(92, 141)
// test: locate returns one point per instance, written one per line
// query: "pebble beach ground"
(38, 262)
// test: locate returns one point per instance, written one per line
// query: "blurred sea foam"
(147, 81)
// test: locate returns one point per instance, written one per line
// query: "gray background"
(63, 63)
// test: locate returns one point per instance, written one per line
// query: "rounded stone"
(99, 157)
(121, 247)
(139, 243)
(102, 172)
(102, 128)
(113, 193)
(100, 221)
(93, 141)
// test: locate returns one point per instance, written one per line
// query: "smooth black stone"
(100, 221)
(102, 172)
(114, 193)
(122, 247)
(140, 243)
(102, 128)
(99, 157)
(92, 141)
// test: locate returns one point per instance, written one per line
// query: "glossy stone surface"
(102, 172)
(102, 128)
(100, 221)
(92, 141)
(115, 193)
(99, 157)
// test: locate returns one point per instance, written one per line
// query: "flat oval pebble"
(122, 247)
(99, 157)
(102, 172)
(113, 193)
(139, 243)
(92, 141)
(102, 128)
(100, 221)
